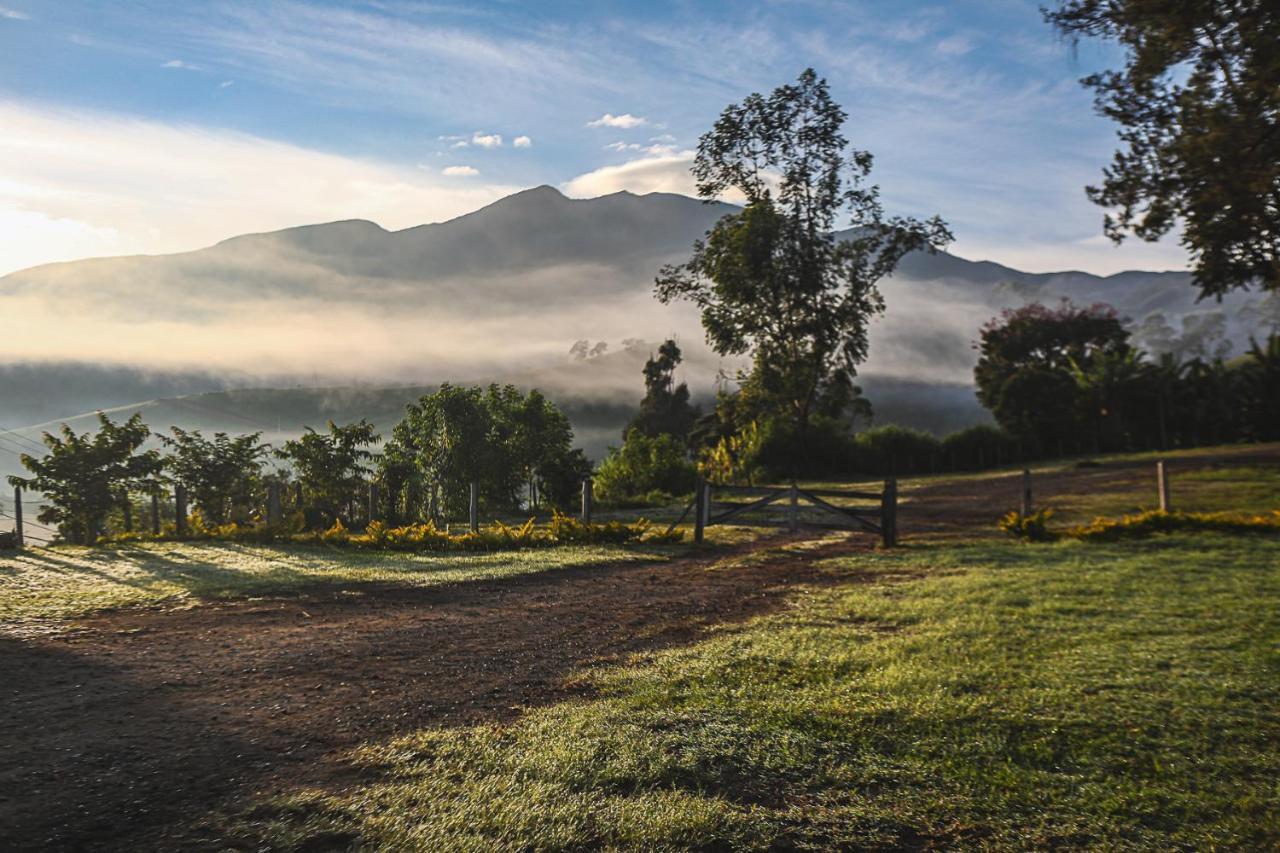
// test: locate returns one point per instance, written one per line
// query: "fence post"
(793, 511)
(1162, 484)
(699, 514)
(374, 513)
(273, 504)
(475, 506)
(155, 512)
(127, 506)
(587, 499)
(180, 509)
(889, 513)
(18, 538)
(1026, 491)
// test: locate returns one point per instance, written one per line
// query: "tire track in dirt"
(118, 733)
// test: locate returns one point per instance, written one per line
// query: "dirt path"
(117, 734)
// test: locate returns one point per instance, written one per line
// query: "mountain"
(498, 294)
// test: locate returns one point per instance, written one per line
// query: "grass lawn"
(64, 582)
(981, 694)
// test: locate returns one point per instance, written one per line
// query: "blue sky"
(162, 126)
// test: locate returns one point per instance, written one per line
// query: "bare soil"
(116, 734)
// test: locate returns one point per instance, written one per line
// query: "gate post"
(587, 500)
(889, 513)
(180, 509)
(793, 511)
(17, 517)
(273, 504)
(1026, 492)
(699, 511)
(475, 507)
(1162, 483)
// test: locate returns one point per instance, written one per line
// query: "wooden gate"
(880, 518)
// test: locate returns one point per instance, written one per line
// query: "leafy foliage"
(773, 280)
(332, 467)
(1032, 527)
(644, 465)
(497, 437)
(1069, 378)
(223, 476)
(1144, 524)
(560, 530)
(83, 476)
(1198, 103)
(665, 409)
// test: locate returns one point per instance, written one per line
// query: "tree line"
(505, 440)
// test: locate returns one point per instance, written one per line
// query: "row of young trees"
(502, 439)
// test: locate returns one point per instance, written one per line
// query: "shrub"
(1032, 527)
(1144, 524)
(893, 449)
(981, 446)
(561, 530)
(644, 464)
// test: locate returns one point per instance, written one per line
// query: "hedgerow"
(560, 530)
(1033, 526)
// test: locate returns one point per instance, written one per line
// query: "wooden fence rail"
(881, 519)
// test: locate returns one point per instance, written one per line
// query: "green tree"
(223, 476)
(1027, 356)
(332, 467)
(82, 477)
(665, 409)
(1198, 103)
(644, 465)
(772, 280)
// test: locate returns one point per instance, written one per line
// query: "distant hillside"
(501, 293)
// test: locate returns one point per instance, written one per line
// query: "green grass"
(983, 695)
(65, 582)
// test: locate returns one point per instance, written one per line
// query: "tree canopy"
(223, 475)
(665, 409)
(773, 281)
(331, 466)
(84, 475)
(1198, 104)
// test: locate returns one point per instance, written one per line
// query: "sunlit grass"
(69, 581)
(987, 694)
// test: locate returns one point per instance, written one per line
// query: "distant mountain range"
(499, 294)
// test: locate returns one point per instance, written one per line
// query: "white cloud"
(666, 174)
(522, 142)
(461, 143)
(13, 14)
(460, 171)
(624, 121)
(487, 140)
(226, 84)
(75, 184)
(178, 63)
(622, 146)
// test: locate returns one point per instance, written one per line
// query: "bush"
(561, 530)
(1032, 527)
(645, 464)
(894, 450)
(1144, 524)
(982, 446)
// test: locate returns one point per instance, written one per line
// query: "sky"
(152, 127)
